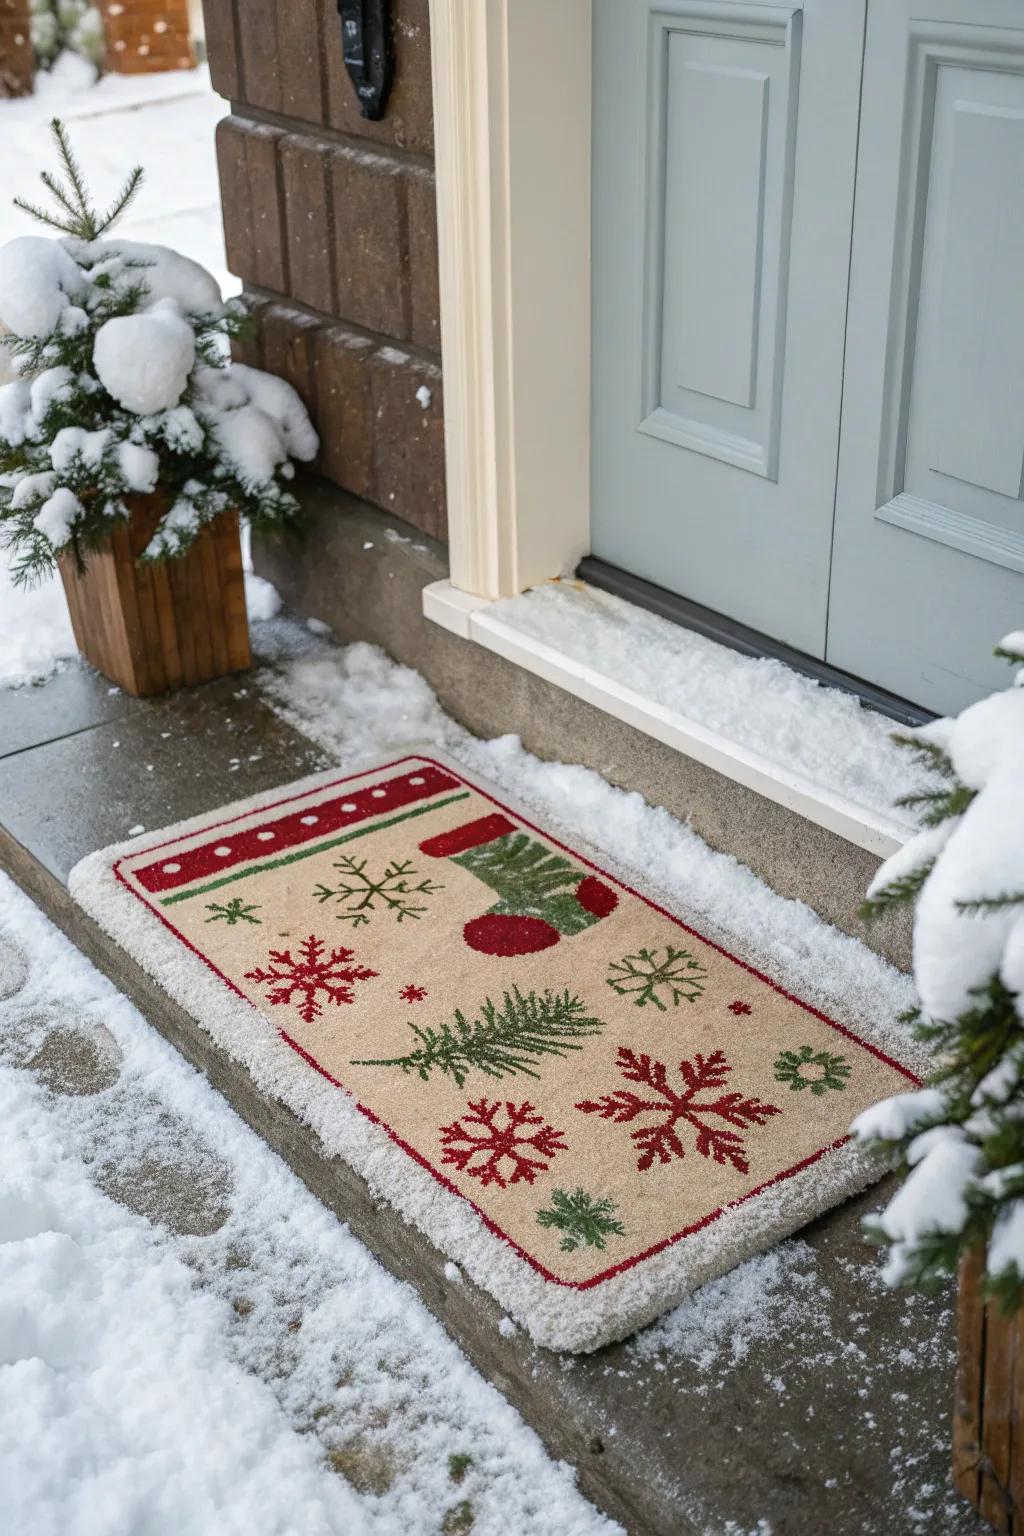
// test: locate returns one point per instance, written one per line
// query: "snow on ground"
(35, 631)
(821, 733)
(163, 122)
(189, 1341)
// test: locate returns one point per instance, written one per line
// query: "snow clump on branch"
(126, 388)
(963, 1137)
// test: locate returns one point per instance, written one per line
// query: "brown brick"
(308, 222)
(251, 196)
(270, 259)
(370, 255)
(289, 350)
(153, 35)
(257, 34)
(236, 202)
(298, 53)
(344, 409)
(408, 440)
(17, 61)
(409, 117)
(423, 268)
(222, 48)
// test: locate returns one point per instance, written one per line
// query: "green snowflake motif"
(647, 979)
(236, 911)
(362, 896)
(584, 1221)
(820, 1071)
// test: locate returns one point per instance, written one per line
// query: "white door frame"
(512, 125)
(511, 82)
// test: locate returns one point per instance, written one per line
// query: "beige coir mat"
(581, 1100)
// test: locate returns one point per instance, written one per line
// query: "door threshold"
(738, 637)
(481, 620)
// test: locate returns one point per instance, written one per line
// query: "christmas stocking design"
(541, 896)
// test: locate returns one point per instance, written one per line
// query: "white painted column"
(511, 85)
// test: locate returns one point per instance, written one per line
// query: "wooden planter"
(154, 627)
(988, 1421)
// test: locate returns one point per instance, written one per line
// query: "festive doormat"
(588, 1105)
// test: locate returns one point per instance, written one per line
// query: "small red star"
(739, 1007)
(413, 994)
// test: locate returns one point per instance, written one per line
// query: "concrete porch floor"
(833, 1416)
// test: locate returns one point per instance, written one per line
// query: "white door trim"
(477, 619)
(512, 124)
(511, 82)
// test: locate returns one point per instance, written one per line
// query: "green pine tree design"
(235, 911)
(584, 1221)
(827, 1071)
(648, 979)
(502, 1041)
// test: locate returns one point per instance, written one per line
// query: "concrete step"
(822, 1404)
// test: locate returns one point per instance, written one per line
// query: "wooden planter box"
(988, 1421)
(154, 627)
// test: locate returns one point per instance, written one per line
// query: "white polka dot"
(378, 794)
(223, 851)
(416, 780)
(348, 806)
(171, 869)
(265, 837)
(309, 821)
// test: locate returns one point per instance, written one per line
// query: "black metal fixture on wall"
(368, 52)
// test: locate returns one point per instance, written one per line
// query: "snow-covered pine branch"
(125, 388)
(961, 1139)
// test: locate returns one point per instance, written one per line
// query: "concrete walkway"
(795, 1396)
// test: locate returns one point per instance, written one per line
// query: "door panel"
(724, 151)
(928, 564)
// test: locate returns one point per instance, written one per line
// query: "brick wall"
(330, 222)
(143, 36)
(17, 61)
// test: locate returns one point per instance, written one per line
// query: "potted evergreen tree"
(960, 1140)
(130, 444)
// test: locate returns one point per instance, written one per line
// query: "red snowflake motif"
(413, 994)
(738, 1007)
(480, 1152)
(315, 971)
(662, 1141)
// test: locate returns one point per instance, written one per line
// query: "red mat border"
(442, 1179)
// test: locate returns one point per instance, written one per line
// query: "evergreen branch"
(502, 1041)
(73, 171)
(982, 904)
(41, 215)
(896, 893)
(927, 751)
(58, 192)
(123, 200)
(76, 215)
(941, 803)
(1016, 657)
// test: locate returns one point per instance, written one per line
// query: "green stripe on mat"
(307, 853)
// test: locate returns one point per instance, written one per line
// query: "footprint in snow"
(13, 967)
(77, 1061)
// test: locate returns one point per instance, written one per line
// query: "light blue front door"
(806, 417)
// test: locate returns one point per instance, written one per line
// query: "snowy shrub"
(961, 1139)
(56, 25)
(124, 388)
